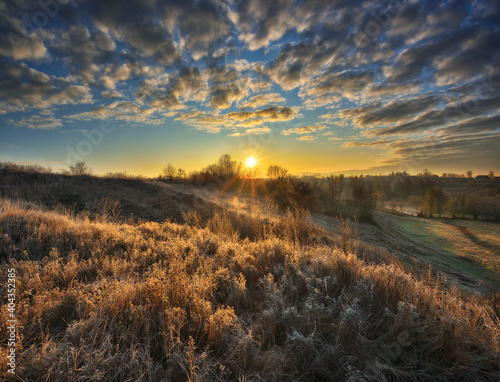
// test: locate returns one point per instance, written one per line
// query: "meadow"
(127, 279)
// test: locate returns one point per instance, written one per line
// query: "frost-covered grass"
(225, 297)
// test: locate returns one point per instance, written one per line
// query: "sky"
(320, 86)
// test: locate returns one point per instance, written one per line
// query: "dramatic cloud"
(122, 111)
(394, 111)
(17, 42)
(22, 87)
(214, 123)
(386, 73)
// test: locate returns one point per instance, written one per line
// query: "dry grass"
(229, 296)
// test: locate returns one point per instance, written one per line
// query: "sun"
(251, 162)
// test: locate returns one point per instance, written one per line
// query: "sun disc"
(251, 162)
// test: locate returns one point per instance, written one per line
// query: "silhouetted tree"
(227, 166)
(181, 173)
(252, 172)
(341, 185)
(79, 168)
(169, 171)
(278, 186)
(333, 191)
(364, 199)
(275, 172)
(303, 194)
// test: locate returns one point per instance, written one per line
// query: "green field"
(466, 252)
(454, 246)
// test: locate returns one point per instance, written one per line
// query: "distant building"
(483, 179)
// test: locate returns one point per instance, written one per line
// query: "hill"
(200, 286)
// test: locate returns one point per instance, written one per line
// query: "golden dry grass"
(227, 298)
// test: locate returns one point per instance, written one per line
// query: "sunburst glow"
(251, 162)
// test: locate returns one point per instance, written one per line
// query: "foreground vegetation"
(221, 294)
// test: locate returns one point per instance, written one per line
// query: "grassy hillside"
(466, 253)
(222, 294)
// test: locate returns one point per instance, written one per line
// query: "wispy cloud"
(304, 129)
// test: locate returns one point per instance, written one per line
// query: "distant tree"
(417, 204)
(194, 177)
(364, 198)
(451, 175)
(169, 171)
(472, 206)
(212, 170)
(227, 166)
(341, 185)
(469, 174)
(275, 172)
(441, 200)
(426, 181)
(462, 199)
(406, 187)
(181, 173)
(491, 175)
(303, 194)
(278, 186)
(79, 168)
(425, 174)
(333, 191)
(252, 172)
(435, 200)
(430, 201)
(453, 207)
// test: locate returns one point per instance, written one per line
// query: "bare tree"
(169, 171)
(303, 194)
(227, 166)
(341, 185)
(252, 172)
(417, 203)
(364, 198)
(79, 168)
(275, 172)
(332, 186)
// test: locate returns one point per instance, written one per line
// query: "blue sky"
(315, 86)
